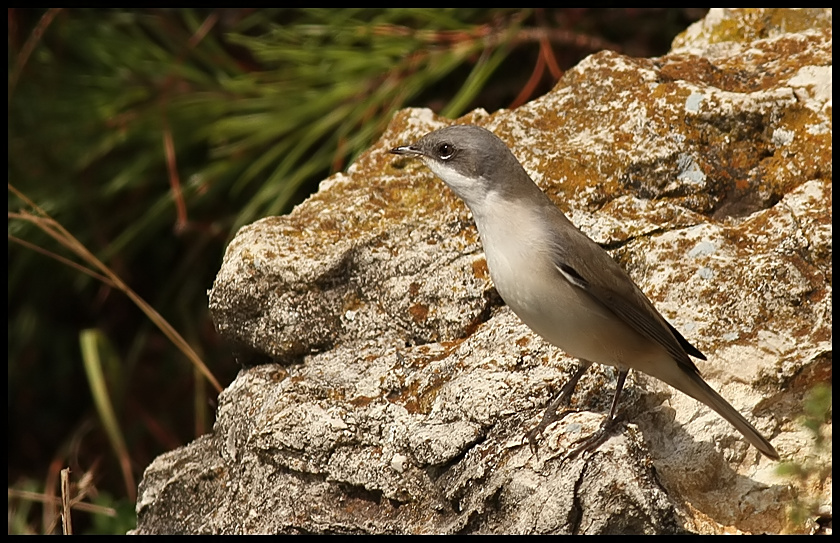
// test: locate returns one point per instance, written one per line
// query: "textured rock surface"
(387, 388)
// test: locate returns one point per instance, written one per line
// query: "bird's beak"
(410, 150)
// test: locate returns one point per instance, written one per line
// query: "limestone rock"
(387, 389)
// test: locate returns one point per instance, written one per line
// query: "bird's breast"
(525, 275)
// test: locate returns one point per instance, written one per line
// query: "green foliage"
(123, 519)
(811, 474)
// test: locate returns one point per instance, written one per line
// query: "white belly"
(563, 314)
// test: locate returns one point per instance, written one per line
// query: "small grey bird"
(561, 283)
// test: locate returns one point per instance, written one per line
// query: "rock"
(387, 389)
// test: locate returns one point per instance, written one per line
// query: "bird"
(560, 283)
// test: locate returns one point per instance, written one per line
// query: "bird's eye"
(445, 151)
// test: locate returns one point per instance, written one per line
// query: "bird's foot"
(593, 441)
(549, 417)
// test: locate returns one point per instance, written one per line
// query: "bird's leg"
(562, 398)
(595, 440)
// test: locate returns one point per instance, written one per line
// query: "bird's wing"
(601, 277)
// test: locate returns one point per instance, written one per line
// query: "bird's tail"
(694, 385)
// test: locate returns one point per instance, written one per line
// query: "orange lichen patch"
(416, 399)
(418, 312)
(480, 270)
(753, 24)
(354, 206)
(361, 401)
(414, 288)
(418, 395)
(279, 375)
(803, 157)
(351, 301)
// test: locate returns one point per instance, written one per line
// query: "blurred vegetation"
(140, 140)
(811, 476)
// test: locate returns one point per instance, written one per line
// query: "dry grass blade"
(66, 522)
(52, 228)
(52, 500)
